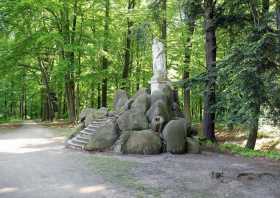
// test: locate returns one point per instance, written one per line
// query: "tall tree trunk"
(138, 69)
(265, 7)
(163, 35)
(105, 62)
(98, 96)
(22, 105)
(190, 26)
(278, 14)
(164, 21)
(211, 49)
(47, 98)
(128, 50)
(69, 56)
(253, 129)
(254, 122)
(78, 73)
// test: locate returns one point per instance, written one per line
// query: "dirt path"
(35, 164)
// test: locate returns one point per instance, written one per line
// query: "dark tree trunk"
(48, 111)
(69, 56)
(253, 130)
(105, 62)
(78, 86)
(211, 48)
(127, 55)
(278, 14)
(164, 20)
(70, 97)
(98, 96)
(92, 94)
(138, 71)
(200, 109)
(22, 106)
(254, 122)
(265, 7)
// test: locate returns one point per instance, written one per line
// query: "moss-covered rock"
(193, 146)
(132, 120)
(174, 135)
(141, 103)
(142, 142)
(119, 145)
(104, 138)
(120, 100)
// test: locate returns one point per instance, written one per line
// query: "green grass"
(119, 172)
(238, 150)
(11, 121)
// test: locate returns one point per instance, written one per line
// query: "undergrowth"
(236, 149)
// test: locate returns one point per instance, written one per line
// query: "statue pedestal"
(159, 85)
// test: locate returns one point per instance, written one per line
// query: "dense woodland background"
(59, 56)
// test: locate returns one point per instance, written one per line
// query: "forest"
(223, 56)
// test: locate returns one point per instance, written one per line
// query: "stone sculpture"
(159, 61)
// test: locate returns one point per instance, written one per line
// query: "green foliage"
(248, 77)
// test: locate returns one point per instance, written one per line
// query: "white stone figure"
(159, 80)
(159, 61)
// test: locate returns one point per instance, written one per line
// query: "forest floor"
(34, 163)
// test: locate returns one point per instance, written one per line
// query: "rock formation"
(147, 123)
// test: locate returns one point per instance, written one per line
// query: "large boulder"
(132, 120)
(159, 108)
(104, 138)
(193, 146)
(119, 145)
(174, 135)
(141, 103)
(128, 104)
(120, 100)
(143, 142)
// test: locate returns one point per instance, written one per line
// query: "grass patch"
(239, 150)
(119, 172)
(236, 149)
(10, 122)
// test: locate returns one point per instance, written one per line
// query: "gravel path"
(35, 164)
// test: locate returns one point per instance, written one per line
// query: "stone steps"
(82, 138)
(73, 145)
